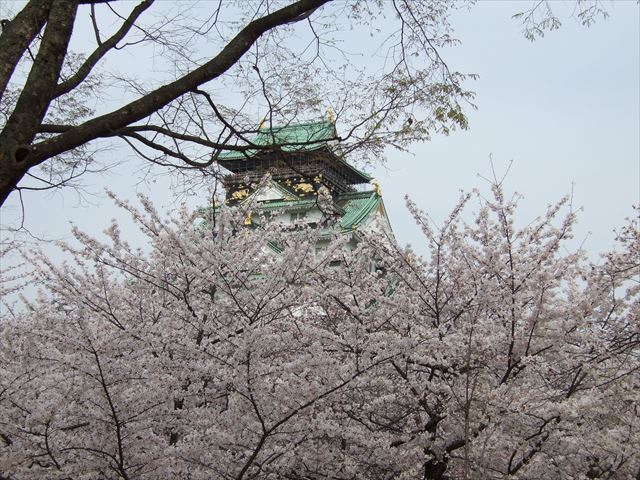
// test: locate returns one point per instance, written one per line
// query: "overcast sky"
(565, 109)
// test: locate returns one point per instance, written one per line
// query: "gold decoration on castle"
(240, 194)
(331, 116)
(248, 220)
(376, 187)
(304, 187)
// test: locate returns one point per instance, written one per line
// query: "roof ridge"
(361, 209)
(304, 124)
(354, 195)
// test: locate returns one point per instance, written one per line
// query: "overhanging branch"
(151, 102)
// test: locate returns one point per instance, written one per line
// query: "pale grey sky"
(565, 109)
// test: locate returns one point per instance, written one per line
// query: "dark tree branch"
(32, 104)
(168, 151)
(16, 36)
(148, 104)
(35, 98)
(102, 50)
(17, 155)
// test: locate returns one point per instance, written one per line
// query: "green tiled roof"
(274, 246)
(358, 209)
(300, 137)
(287, 204)
(364, 175)
(354, 207)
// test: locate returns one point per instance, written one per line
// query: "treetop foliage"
(500, 355)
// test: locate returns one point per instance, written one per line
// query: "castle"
(303, 179)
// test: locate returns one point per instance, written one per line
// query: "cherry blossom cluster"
(234, 352)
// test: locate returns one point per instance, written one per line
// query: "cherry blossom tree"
(519, 346)
(234, 352)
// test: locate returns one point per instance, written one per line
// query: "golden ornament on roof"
(331, 116)
(240, 194)
(304, 187)
(376, 187)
